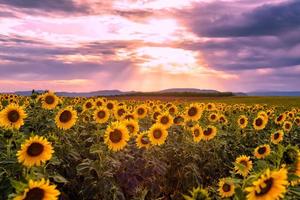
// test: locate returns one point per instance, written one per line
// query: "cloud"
(221, 19)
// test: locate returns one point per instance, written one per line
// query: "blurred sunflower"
(49, 101)
(155, 115)
(226, 188)
(116, 136)
(209, 133)
(89, 104)
(287, 126)
(66, 118)
(39, 190)
(213, 117)
(12, 117)
(35, 151)
(101, 115)
(211, 106)
(157, 134)
(99, 102)
(280, 119)
(242, 121)
(262, 151)
(120, 112)
(165, 119)
(277, 137)
(259, 123)
(222, 119)
(132, 126)
(142, 140)
(141, 111)
(193, 112)
(243, 165)
(197, 193)
(178, 120)
(197, 133)
(297, 121)
(270, 185)
(172, 110)
(110, 105)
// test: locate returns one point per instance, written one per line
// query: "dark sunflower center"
(208, 131)
(172, 110)
(65, 116)
(130, 128)
(244, 162)
(287, 126)
(258, 122)
(157, 133)
(88, 105)
(155, 115)
(101, 114)
(145, 140)
(115, 136)
(99, 103)
(35, 194)
(213, 117)
(209, 107)
(121, 112)
(164, 120)
(276, 136)
(262, 150)
(49, 99)
(266, 189)
(222, 119)
(129, 117)
(110, 106)
(35, 149)
(226, 187)
(196, 132)
(279, 118)
(13, 116)
(297, 120)
(242, 121)
(141, 111)
(178, 119)
(192, 111)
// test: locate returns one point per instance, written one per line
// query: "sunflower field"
(98, 149)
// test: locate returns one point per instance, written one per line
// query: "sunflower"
(132, 126)
(280, 119)
(262, 151)
(197, 133)
(173, 110)
(157, 134)
(223, 119)
(277, 137)
(197, 193)
(49, 100)
(39, 190)
(120, 112)
(110, 105)
(178, 120)
(165, 119)
(99, 102)
(142, 141)
(243, 165)
(209, 133)
(116, 136)
(213, 117)
(297, 121)
(101, 115)
(155, 115)
(287, 126)
(211, 106)
(12, 117)
(141, 111)
(66, 118)
(193, 112)
(259, 123)
(129, 116)
(242, 121)
(226, 188)
(263, 114)
(270, 185)
(89, 104)
(35, 151)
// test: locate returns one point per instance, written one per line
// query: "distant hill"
(274, 93)
(190, 90)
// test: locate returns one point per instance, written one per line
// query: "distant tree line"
(179, 94)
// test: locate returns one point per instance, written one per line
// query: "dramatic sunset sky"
(148, 45)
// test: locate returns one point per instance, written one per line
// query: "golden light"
(171, 60)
